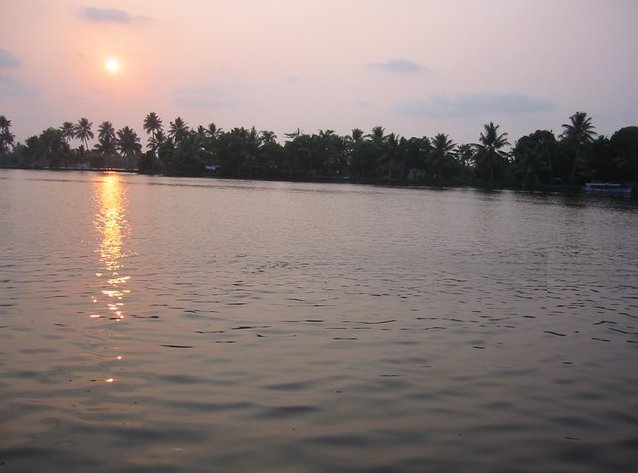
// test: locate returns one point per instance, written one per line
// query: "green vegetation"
(536, 161)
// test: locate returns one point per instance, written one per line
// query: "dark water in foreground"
(168, 325)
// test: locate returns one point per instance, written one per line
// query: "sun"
(112, 66)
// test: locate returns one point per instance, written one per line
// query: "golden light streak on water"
(112, 227)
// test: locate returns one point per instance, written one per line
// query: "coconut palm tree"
(152, 125)
(128, 143)
(213, 131)
(107, 140)
(83, 131)
(489, 152)
(68, 131)
(578, 134)
(6, 137)
(156, 141)
(178, 130)
(377, 134)
(441, 153)
(268, 137)
(356, 135)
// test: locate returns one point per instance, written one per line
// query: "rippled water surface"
(150, 324)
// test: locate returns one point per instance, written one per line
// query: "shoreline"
(559, 189)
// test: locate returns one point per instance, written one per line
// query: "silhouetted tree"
(152, 126)
(441, 154)
(68, 131)
(6, 137)
(48, 149)
(178, 130)
(578, 134)
(489, 154)
(533, 159)
(624, 144)
(107, 144)
(83, 132)
(129, 145)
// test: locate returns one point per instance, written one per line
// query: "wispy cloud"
(7, 59)
(398, 66)
(106, 15)
(201, 97)
(473, 105)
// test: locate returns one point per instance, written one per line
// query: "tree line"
(538, 160)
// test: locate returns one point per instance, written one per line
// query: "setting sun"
(112, 65)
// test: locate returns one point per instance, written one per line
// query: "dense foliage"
(538, 160)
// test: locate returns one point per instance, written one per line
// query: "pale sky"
(416, 67)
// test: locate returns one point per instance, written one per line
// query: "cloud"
(7, 59)
(398, 66)
(474, 105)
(105, 15)
(201, 97)
(14, 87)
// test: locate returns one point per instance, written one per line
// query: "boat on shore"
(607, 188)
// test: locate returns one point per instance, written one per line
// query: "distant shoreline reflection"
(113, 228)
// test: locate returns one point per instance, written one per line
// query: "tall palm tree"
(156, 141)
(490, 149)
(441, 153)
(6, 137)
(152, 125)
(178, 130)
(128, 143)
(68, 131)
(578, 133)
(106, 139)
(83, 131)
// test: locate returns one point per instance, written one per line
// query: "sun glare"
(112, 65)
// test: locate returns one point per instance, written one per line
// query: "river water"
(151, 324)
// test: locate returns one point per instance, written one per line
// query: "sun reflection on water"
(112, 231)
(113, 228)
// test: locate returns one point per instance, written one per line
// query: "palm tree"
(178, 130)
(489, 151)
(68, 131)
(156, 141)
(441, 153)
(106, 139)
(213, 131)
(83, 131)
(152, 125)
(357, 135)
(6, 137)
(578, 133)
(377, 134)
(128, 143)
(268, 137)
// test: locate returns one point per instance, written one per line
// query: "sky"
(415, 67)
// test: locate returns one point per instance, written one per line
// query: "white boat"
(607, 188)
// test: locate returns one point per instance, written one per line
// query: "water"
(150, 324)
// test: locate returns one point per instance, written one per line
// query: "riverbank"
(563, 189)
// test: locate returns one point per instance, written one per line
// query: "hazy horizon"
(414, 67)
